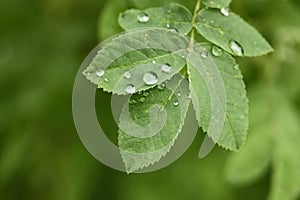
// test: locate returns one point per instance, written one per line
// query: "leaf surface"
(173, 16)
(234, 105)
(151, 122)
(231, 33)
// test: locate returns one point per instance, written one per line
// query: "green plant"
(154, 75)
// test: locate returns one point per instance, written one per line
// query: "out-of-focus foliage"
(42, 44)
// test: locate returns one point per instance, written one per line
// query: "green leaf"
(231, 33)
(151, 122)
(124, 60)
(217, 3)
(286, 162)
(172, 16)
(255, 156)
(234, 132)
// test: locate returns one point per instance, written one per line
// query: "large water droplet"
(150, 78)
(127, 74)
(176, 103)
(130, 89)
(204, 54)
(143, 17)
(236, 48)
(216, 51)
(100, 72)
(225, 11)
(166, 68)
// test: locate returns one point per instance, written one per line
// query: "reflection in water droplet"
(225, 11)
(100, 72)
(142, 99)
(143, 17)
(150, 78)
(236, 48)
(161, 86)
(204, 54)
(130, 89)
(216, 51)
(166, 68)
(127, 74)
(176, 103)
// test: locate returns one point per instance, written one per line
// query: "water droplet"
(168, 25)
(166, 68)
(236, 66)
(150, 78)
(179, 94)
(216, 51)
(225, 11)
(100, 72)
(169, 11)
(161, 86)
(142, 99)
(143, 17)
(212, 21)
(132, 101)
(127, 74)
(176, 103)
(106, 79)
(189, 95)
(153, 62)
(204, 54)
(146, 94)
(130, 89)
(236, 48)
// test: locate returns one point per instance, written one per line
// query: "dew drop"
(236, 66)
(142, 99)
(132, 101)
(143, 17)
(179, 94)
(204, 54)
(176, 103)
(153, 62)
(168, 25)
(100, 72)
(130, 89)
(216, 51)
(236, 48)
(106, 79)
(145, 94)
(127, 74)
(225, 11)
(189, 95)
(161, 86)
(166, 68)
(150, 78)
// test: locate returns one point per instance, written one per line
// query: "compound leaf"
(173, 16)
(120, 66)
(151, 122)
(204, 81)
(231, 33)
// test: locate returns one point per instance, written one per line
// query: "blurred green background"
(42, 45)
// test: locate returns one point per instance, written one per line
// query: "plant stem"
(196, 11)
